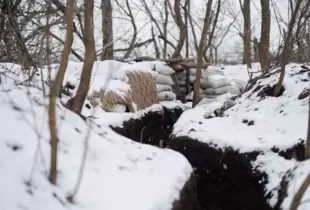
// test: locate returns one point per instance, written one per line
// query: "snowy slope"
(119, 173)
(277, 169)
(254, 123)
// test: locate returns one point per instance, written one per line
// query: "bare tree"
(129, 13)
(246, 12)
(212, 32)
(203, 37)
(307, 147)
(264, 53)
(287, 45)
(107, 30)
(90, 56)
(56, 88)
(165, 26)
(301, 191)
(182, 28)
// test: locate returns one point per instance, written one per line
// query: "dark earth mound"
(226, 179)
(152, 127)
(188, 196)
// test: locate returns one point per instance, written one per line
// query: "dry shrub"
(143, 88)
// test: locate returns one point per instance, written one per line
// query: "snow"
(275, 167)
(119, 173)
(298, 175)
(278, 168)
(272, 118)
(117, 86)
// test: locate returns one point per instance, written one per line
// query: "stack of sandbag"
(163, 78)
(164, 83)
(214, 84)
(181, 77)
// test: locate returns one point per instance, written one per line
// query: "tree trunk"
(182, 28)
(265, 36)
(247, 33)
(107, 30)
(300, 193)
(90, 55)
(256, 50)
(287, 47)
(56, 89)
(204, 32)
(165, 25)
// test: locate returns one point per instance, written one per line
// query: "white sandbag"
(222, 90)
(208, 96)
(118, 108)
(166, 96)
(154, 66)
(162, 68)
(182, 90)
(190, 96)
(205, 101)
(182, 83)
(162, 88)
(228, 89)
(214, 81)
(192, 72)
(180, 75)
(192, 79)
(209, 91)
(228, 104)
(163, 79)
(239, 83)
(211, 70)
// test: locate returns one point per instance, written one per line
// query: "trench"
(222, 179)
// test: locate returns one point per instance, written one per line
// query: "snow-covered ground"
(292, 172)
(122, 174)
(253, 123)
(119, 173)
(259, 123)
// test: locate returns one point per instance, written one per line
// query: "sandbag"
(166, 96)
(228, 89)
(182, 90)
(118, 108)
(204, 101)
(211, 70)
(214, 81)
(209, 91)
(180, 75)
(239, 83)
(192, 72)
(192, 79)
(162, 88)
(222, 90)
(189, 97)
(163, 79)
(163, 69)
(208, 96)
(154, 66)
(182, 83)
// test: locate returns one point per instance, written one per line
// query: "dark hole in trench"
(225, 179)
